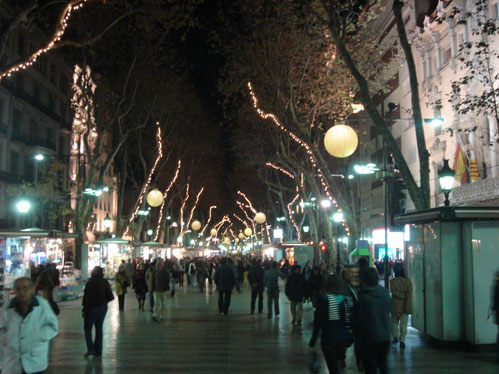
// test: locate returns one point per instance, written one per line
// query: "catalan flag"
(459, 167)
(474, 172)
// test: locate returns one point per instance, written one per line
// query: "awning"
(151, 244)
(113, 241)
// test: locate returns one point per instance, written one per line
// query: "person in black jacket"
(295, 291)
(225, 280)
(372, 322)
(255, 278)
(314, 285)
(332, 320)
(95, 298)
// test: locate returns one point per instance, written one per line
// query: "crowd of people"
(351, 309)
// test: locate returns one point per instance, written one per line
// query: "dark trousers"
(273, 299)
(374, 357)
(224, 301)
(94, 316)
(256, 292)
(333, 352)
(151, 300)
(181, 279)
(121, 301)
(201, 282)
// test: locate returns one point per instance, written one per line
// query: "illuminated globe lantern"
(236, 240)
(154, 198)
(260, 218)
(196, 225)
(226, 241)
(341, 141)
(241, 236)
(248, 231)
(213, 232)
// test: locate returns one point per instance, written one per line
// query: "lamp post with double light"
(107, 223)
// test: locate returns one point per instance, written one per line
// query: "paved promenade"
(195, 339)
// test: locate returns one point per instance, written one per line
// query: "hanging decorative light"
(196, 225)
(241, 236)
(260, 218)
(341, 141)
(154, 198)
(248, 231)
(213, 232)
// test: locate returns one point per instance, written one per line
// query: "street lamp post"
(446, 179)
(38, 158)
(107, 224)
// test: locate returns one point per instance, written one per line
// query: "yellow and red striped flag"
(459, 167)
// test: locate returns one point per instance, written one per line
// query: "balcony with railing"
(481, 192)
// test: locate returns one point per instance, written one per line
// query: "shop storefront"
(108, 254)
(150, 250)
(20, 251)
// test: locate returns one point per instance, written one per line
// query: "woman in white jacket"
(27, 324)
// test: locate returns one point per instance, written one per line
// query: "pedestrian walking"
(271, 281)
(332, 320)
(401, 289)
(175, 279)
(44, 287)
(314, 285)
(140, 285)
(181, 271)
(372, 322)
(240, 275)
(295, 291)
(27, 325)
(160, 284)
(225, 281)
(255, 279)
(130, 268)
(352, 283)
(95, 298)
(149, 273)
(121, 284)
(192, 273)
(201, 274)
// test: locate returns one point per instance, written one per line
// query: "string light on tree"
(295, 138)
(138, 204)
(195, 206)
(290, 213)
(165, 194)
(248, 201)
(182, 207)
(209, 218)
(278, 168)
(70, 8)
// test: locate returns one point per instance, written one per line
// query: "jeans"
(273, 299)
(174, 282)
(333, 352)
(402, 319)
(296, 310)
(191, 279)
(159, 304)
(224, 301)
(94, 316)
(151, 301)
(374, 356)
(121, 301)
(256, 292)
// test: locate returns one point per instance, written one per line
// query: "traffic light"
(323, 246)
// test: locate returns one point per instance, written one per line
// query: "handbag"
(313, 362)
(109, 294)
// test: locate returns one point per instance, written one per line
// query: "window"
(14, 163)
(51, 102)
(33, 130)
(20, 45)
(446, 56)
(63, 84)
(62, 145)
(28, 166)
(62, 110)
(16, 120)
(52, 73)
(50, 134)
(36, 91)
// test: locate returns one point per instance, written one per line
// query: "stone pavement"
(195, 339)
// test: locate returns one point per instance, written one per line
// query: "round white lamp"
(341, 141)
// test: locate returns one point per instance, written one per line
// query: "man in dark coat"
(296, 289)
(372, 322)
(225, 280)
(255, 278)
